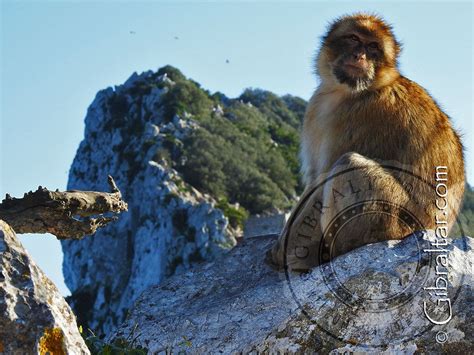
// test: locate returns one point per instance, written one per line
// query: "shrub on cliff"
(246, 153)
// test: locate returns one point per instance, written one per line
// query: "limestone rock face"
(169, 225)
(371, 300)
(34, 317)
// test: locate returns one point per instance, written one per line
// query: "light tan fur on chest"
(319, 132)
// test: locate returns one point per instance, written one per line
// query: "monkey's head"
(360, 52)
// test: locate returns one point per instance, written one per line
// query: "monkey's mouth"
(358, 75)
(356, 69)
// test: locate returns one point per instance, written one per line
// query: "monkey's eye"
(373, 45)
(354, 38)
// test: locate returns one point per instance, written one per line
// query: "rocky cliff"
(169, 226)
(374, 300)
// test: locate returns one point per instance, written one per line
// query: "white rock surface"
(367, 301)
(34, 317)
(169, 225)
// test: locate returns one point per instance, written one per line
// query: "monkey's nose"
(359, 56)
(356, 64)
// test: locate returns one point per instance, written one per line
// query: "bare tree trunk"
(67, 215)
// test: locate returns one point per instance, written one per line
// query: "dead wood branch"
(68, 215)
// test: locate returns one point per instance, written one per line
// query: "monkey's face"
(356, 60)
(357, 51)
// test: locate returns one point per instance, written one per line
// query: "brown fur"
(392, 120)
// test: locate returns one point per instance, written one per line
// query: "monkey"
(368, 124)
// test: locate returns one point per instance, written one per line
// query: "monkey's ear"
(396, 43)
(398, 47)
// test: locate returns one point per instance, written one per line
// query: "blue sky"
(55, 56)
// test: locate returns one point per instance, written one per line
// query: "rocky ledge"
(34, 317)
(374, 299)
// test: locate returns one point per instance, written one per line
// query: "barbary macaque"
(371, 138)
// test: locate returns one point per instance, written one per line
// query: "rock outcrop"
(34, 317)
(370, 300)
(264, 225)
(169, 224)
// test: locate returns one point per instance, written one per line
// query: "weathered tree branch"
(68, 215)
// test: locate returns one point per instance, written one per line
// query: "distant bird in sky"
(227, 61)
(176, 37)
(132, 32)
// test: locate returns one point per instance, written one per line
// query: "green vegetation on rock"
(98, 346)
(245, 150)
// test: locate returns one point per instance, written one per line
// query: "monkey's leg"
(354, 181)
(367, 202)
